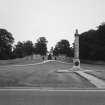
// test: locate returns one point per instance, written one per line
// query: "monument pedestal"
(76, 65)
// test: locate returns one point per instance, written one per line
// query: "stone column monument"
(76, 61)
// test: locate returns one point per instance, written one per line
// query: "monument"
(76, 61)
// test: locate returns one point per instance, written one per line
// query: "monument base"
(63, 71)
(76, 64)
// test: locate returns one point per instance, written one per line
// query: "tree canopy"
(92, 44)
(23, 49)
(6, 41)
(18, 50)
(62, 47)
(41, 46)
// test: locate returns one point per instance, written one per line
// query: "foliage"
(23, 49)
(62, 47)
(28, 47)
(41, 46)
(18, 50)
(6, 41)
(92, 44)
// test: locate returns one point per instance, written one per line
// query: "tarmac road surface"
(51, 97)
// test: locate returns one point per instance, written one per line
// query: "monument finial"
(76, 32)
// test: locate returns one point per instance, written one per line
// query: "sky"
(53, 19)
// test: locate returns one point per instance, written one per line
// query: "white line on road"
(45, 89)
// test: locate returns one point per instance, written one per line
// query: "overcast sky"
(54, 19)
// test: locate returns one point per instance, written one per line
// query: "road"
(45, 97)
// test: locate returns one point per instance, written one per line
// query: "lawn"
(99, 74)
(41, 75)
(94, 67)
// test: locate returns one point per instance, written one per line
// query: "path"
(37, 63)
(94, 80)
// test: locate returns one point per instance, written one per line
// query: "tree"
(92, 44)
(6, 41)
(23, 49)
(28, 48)
(41, 46)
(62, 47)
(19, 50)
